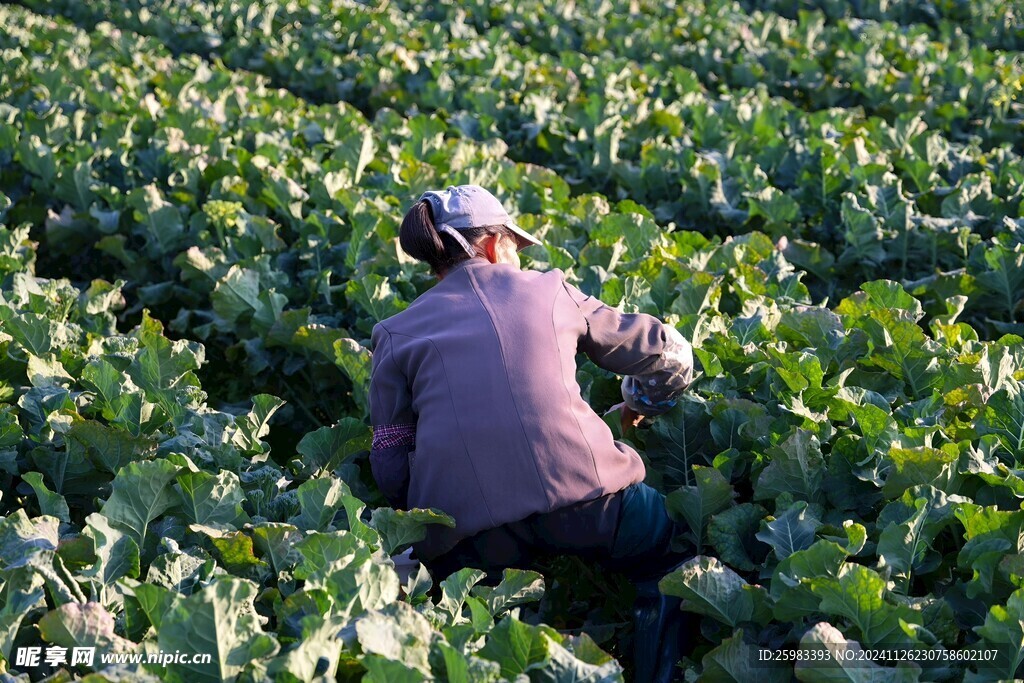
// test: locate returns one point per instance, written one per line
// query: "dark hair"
(421, 240)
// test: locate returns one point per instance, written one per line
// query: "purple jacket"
(475, 405)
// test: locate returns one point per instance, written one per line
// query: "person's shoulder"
(508, 270)
(379, 333)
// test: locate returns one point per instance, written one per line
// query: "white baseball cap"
(470, 206)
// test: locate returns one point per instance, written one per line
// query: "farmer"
(476, 410)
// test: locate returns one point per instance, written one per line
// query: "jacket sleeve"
(393, 420)
(655, 358)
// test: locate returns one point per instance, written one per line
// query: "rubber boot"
(656, 623)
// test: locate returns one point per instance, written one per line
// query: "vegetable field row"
(897, 163)
(195, 243)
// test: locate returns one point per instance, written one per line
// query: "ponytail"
(420, 239)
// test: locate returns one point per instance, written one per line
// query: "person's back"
(489, 354)
(476, 410)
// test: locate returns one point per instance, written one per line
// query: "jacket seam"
(561, 373)
(391, 355)
(406, 448)
(579, 308)
(512, 396)
(451, 398)
(607, 351)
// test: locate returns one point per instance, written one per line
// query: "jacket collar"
(474, 261)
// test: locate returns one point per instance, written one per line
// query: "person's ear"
(491, 248)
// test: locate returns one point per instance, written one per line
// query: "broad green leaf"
(328, 447)
(909, 528)
(374, 294)
(75, 186)
(917, 466)
(355, 583)
(23, 593)
(460, 668)
(180, 571)
(234, 550)
(1003, 415)
(276, 543)
(777, 208)
(710, 588)
(399, 529)
(905, 352)
(796, 467)
(242, 295)
(417, 587)
(254, 425)
(1004, 630)
(220, 620)
(638, 231)
(739, 423)
(60, 583)
(991, 535)
(319, 500)
(154, 602)
(319, 339)
(50, 503)
(110, 449)
(397, 633)
(363, 225)
(212, 499)
(161, 363)
(563, 664)
(117, 554)
(698, 293)
(832, 658)
(811, 327)
(696, 504)
(793, 530)
(892, 295)
(733, 535)
(20, 536)
(517, 587)
(454, 590)
(377, 585)
(517, 647)
(142, 491)
(798, 370)
(1004, 276)
(324, 553)
(858, 594)
(319, 642)
(160, 221)
(735, 660)
(354, 361)
(10, 431)
(676, 443)
(83, 625)
(293, 610)
(479, 616)
(33, 332)
(281, 192)
(790, 585)
(47, 372)
(382, 670)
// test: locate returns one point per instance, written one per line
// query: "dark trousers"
(628, 532)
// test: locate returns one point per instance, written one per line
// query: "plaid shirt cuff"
(386, 436)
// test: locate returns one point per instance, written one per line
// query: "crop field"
(199, 210)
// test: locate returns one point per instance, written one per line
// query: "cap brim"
(525, 239)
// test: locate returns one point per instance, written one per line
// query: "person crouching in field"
(476, 410)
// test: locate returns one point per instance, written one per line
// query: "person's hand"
(629, 417)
